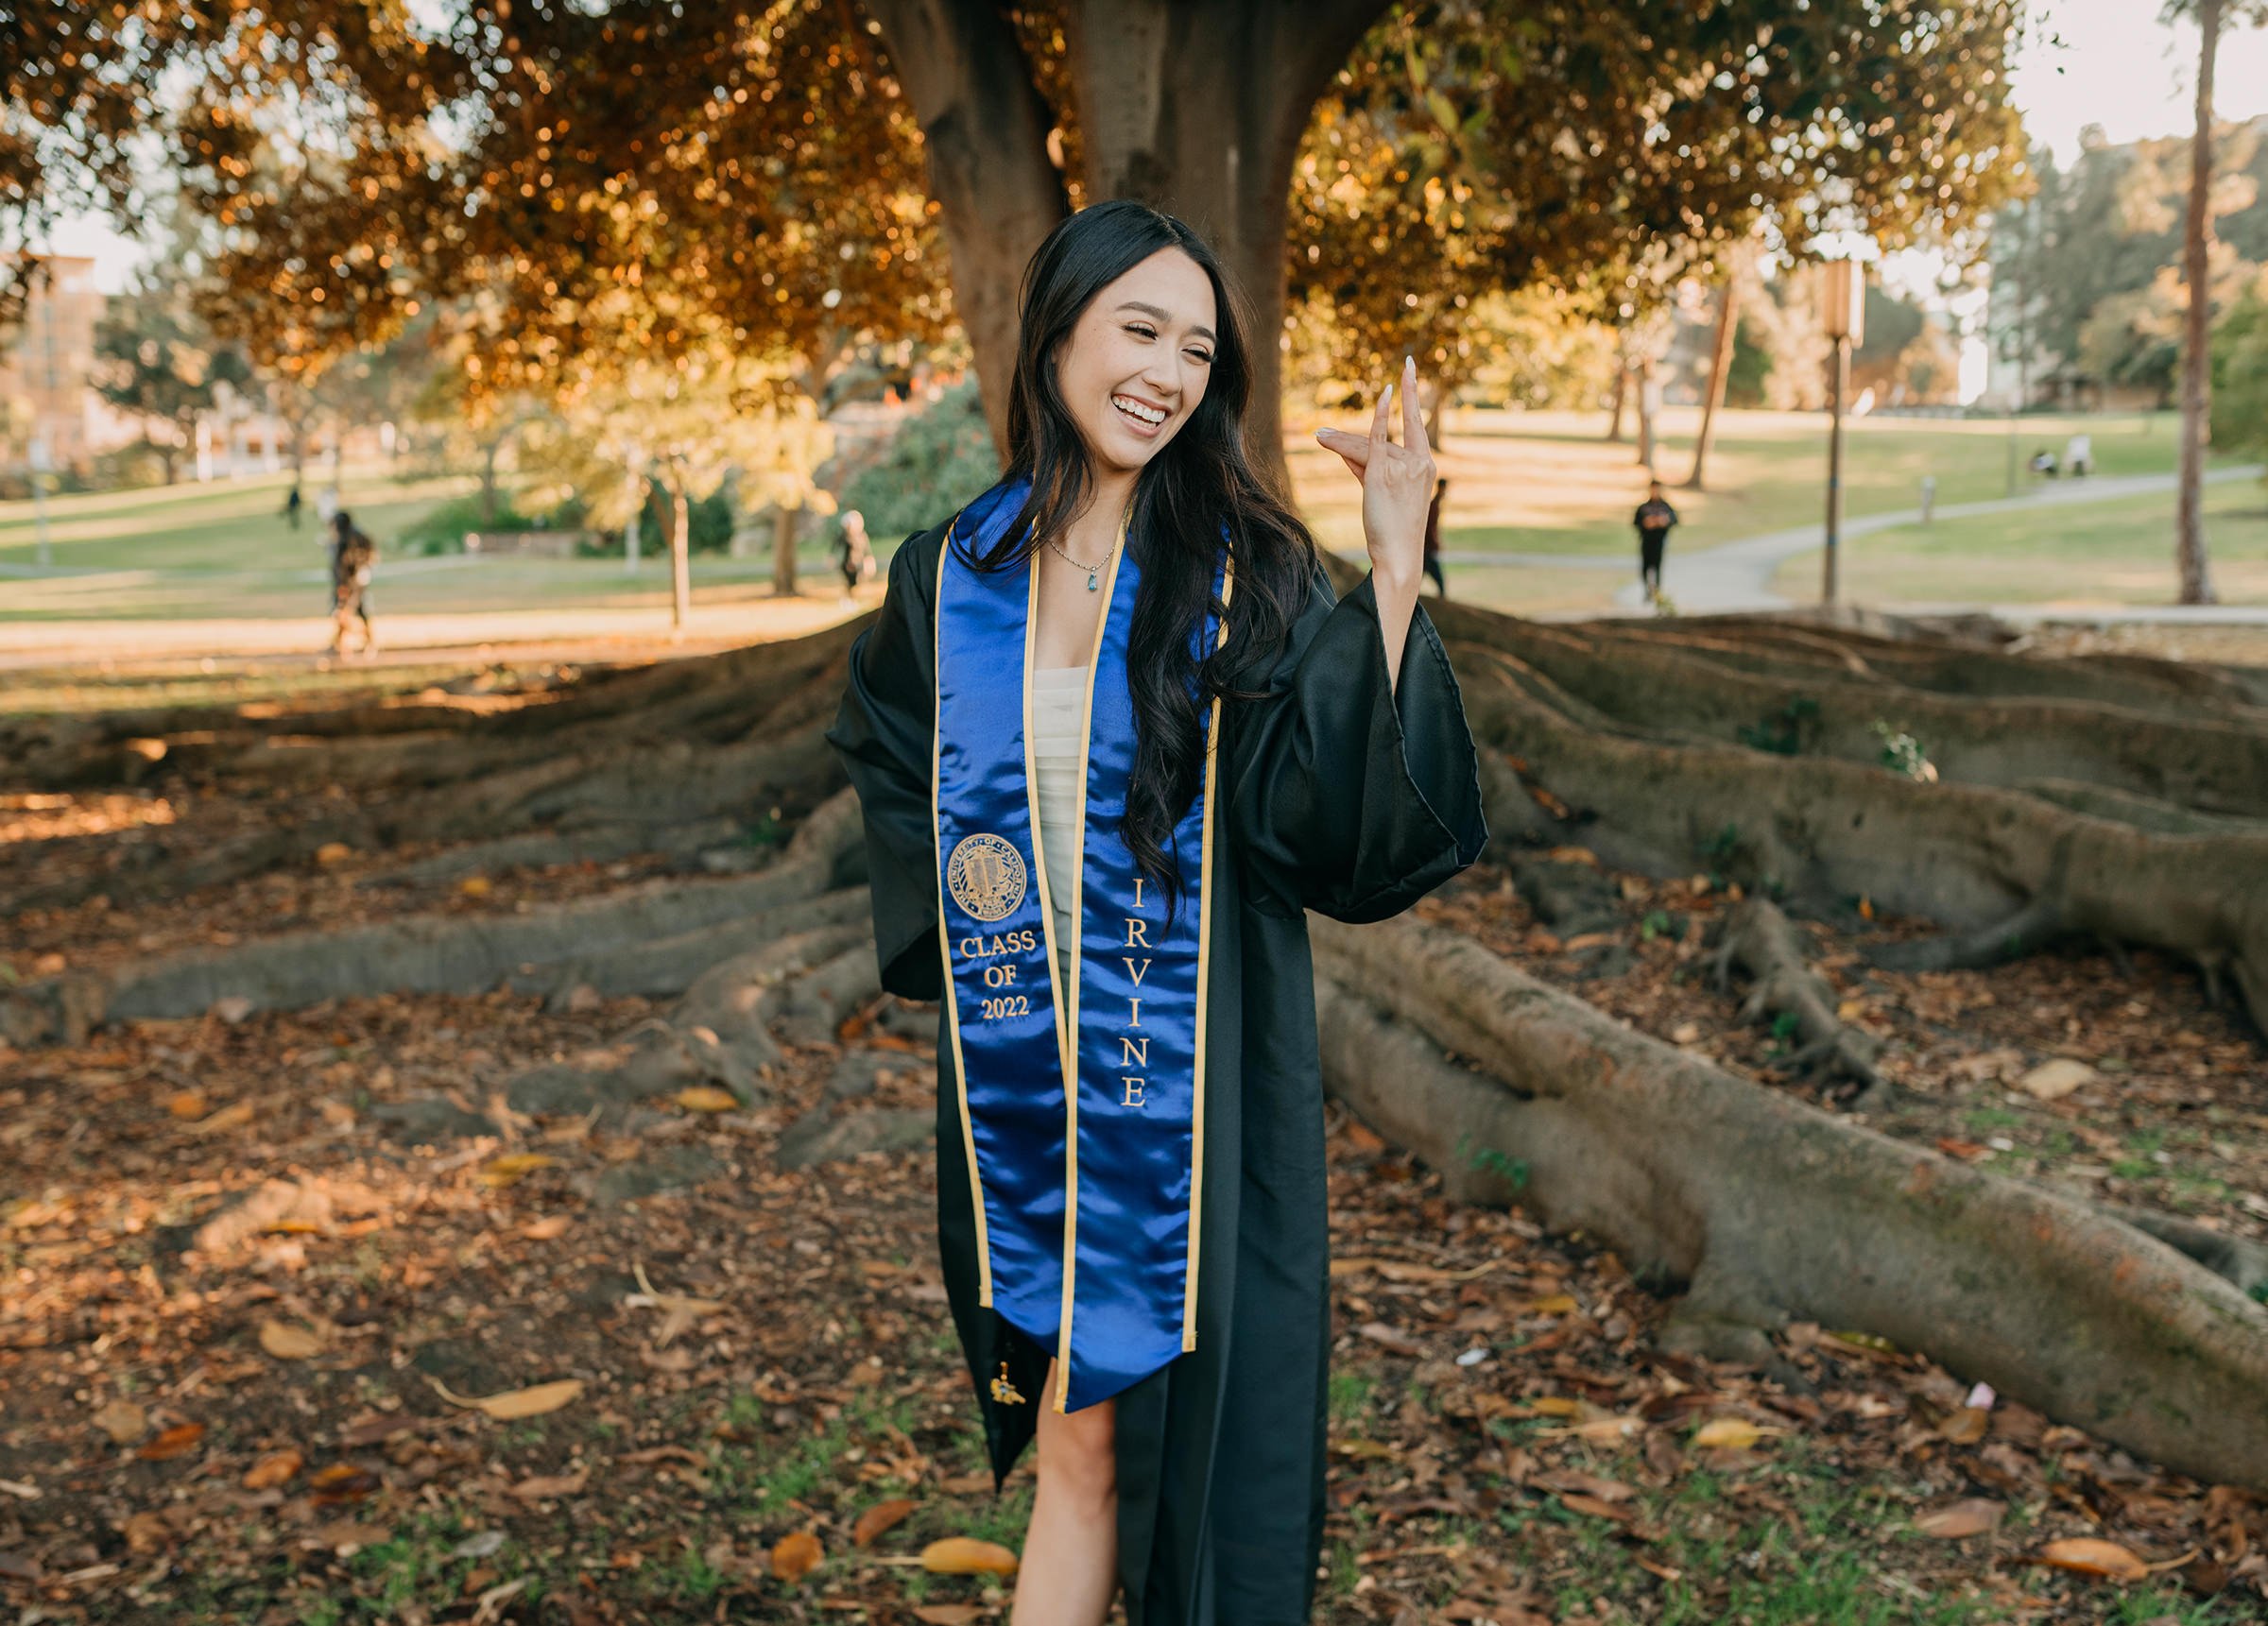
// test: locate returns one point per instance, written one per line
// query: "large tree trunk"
(1171, 110)
(2197, 569)
(1719, 364)
(1200, 110)
(984, 127)
(1620, 398)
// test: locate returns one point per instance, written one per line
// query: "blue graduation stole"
(1082, 1106)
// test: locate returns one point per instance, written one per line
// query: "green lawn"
(2119, 550)
(1549, 482)
(1545, 483)
(222, 550)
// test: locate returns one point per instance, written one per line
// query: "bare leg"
(1070, 1569)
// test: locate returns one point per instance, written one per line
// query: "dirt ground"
(300, 1322)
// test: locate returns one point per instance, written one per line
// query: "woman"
(1112, 735)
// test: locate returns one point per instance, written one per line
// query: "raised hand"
(1397, 482)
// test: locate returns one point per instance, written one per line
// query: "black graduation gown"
(1338, 795)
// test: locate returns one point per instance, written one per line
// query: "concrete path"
(1738, 576)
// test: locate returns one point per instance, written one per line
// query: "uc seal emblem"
(986, 877)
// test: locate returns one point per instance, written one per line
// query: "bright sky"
(2112, 62)
(2091, 61)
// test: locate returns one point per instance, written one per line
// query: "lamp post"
(1845, 306)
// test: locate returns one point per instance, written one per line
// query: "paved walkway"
(1738, 576)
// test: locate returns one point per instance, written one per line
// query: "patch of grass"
(1351, 1395)
(1980, 1119)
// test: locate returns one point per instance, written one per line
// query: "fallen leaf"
(148, 1532)
(549, 1487)
(549, 1228)
(2088, 1556)
(1391, 1338)
(332, 852)
(948, 1614)
(1553, 1304)
(287, 1342)
(1730, 1434)
(1958, 1520)
(123, 1421)
(228, 1118)
(1596, 1507)
(513, 1166)
(177, 1440)
(476, 886)
(1967, 1425)
(706, 1097)
(345, 1537)
(340, 1482)
(233, 1009)
(965, 1485)
(2053, 1080)
(965, 1555)
(186, 1104)
(272, 1471)
(880, 1517)
(796, 1555)
(517, 1403)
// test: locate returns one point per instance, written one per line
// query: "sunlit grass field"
(1520, 484)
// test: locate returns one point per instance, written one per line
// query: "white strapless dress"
(1056, 693)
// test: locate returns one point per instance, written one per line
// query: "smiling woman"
(1112, 735)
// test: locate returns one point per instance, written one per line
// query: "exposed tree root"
(598, 844)
(722, 1032)
(1761, 942)
(1773, 1211)
(448, 953)
(1968, 855)
(2208, 763)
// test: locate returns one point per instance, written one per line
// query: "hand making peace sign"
(1397, 482)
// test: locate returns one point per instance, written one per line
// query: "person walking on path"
(292, 506)
(855, 554)
(353, 556)
(1433, 538)
(1653, 519)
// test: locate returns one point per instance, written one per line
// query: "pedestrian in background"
(1433, 538)
(1653, 519)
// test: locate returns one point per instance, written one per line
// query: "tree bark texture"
(2190, 557)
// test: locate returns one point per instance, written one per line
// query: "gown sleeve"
(883, 735)
(1350, 797)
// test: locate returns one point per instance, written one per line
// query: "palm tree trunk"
(1622, 393)
(680, 554)
(784, 552)
(1646, 414)
(2190, 552)
(1720, 364)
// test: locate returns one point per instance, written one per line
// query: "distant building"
(46, 369)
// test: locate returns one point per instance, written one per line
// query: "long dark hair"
(1199, 484)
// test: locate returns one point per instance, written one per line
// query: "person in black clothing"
(291, 507)
(1653, 519)
(1433, 539)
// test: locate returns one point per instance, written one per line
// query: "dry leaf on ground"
(288, 1342)
(796, 1555)
(517, 1403)
(965, 1555)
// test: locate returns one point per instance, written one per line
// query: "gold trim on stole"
(952, 1003)
(1196, 1119)
(1078, 919)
